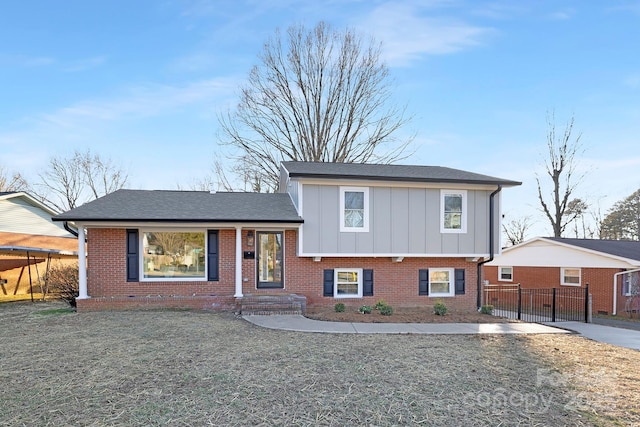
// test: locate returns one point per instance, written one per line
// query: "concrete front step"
(273, 304)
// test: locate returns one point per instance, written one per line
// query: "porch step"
(273, 304)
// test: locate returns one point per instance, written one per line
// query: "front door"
(270, 259)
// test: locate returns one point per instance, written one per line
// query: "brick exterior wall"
(395, 282)
(600, 282)
(106, 274)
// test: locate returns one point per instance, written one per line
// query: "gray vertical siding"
(292, 189)
(401, 220)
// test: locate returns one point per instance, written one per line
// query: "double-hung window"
(173, 255)
(570, 276)
(630, 283)
(505, 274)
(441, 282)
(347, 283)
(354, 209)
(453, 211)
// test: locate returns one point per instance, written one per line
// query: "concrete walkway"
(302, 324)
(608, 334)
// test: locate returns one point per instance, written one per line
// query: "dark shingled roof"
(391, 173)
(622, 248)
(186, 206)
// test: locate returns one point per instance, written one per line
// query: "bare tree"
(205, 183)
(70, 181)
(320, 95)
(100, 175)
(12, 181)
(560, 166)
(516, 230)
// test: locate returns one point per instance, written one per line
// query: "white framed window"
(347, 283)
(173, 255)
(631, 283)
(453, 211)
(441, 282)
(505, 274)
(354, 209)
(570, 276)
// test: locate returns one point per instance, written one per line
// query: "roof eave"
(504, 183)
(175, 220)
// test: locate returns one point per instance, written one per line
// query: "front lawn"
(192, 368)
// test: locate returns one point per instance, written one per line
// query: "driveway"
(619, 336)
(617, 323)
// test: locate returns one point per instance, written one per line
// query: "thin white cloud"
(112, 123)
(87, 122)
(194, 62)
(86, 64)
(632, 6)
(562, 15)
(500, 10)
(140, 101)
(25, 61)
(407, 34)
(632, 81)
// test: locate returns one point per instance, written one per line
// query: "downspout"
(69, 229)
(615, 288)
(491, 243)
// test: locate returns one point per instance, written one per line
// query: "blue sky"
(142, 81)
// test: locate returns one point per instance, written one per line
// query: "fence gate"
(539, 305)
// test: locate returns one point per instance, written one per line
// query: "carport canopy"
(30, 254)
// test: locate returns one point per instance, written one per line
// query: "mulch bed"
(401, 315)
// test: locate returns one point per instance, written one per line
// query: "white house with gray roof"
(611, 268)
(353, 233)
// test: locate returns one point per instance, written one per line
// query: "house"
(29, 242)
(352, 233)
(607, 266)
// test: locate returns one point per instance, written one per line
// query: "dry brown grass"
(190, 368)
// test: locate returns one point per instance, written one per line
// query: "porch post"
(238, 293)
(82, 265)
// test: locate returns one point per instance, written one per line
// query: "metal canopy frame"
(30, 252)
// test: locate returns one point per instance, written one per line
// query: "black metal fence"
(539, 305)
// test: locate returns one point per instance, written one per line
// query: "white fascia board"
(392, 255)
(189, 225)
(404, 184)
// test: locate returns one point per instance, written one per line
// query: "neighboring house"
(29, 240)
(547, 262)
(335, 232)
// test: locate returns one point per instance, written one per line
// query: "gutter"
(491, 244)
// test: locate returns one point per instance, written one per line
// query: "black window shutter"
(459, 281)
(212, 255)
(133, 270)
(328, 283)
(367, 283)
(423, 282)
